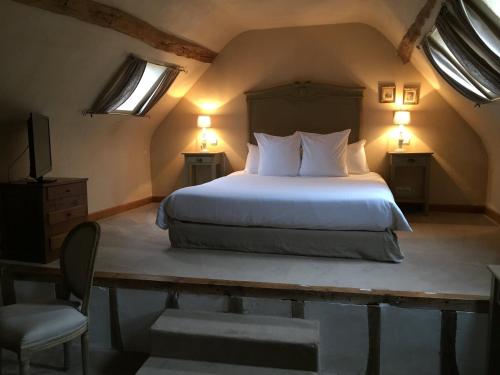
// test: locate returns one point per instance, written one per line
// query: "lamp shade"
(401, 117)
(204, 121)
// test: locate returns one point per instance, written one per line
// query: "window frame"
(149, 94)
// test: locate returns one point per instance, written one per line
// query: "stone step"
(248, 340)
(169, 366)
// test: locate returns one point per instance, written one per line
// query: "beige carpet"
(446, 253)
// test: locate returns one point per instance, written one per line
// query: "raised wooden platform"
(445, 270)
(293, 292)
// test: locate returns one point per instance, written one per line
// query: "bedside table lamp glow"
(402, 118)
(204, 122)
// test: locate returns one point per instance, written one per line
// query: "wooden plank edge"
(98, 215)
(404, 299)
(492, 214)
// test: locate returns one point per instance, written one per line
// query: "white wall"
(57, 66)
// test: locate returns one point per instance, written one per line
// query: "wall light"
(402, 118)
(204, 122)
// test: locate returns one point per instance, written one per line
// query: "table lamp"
(401, 118)
(204, 122)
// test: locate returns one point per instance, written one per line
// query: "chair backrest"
(78, 258)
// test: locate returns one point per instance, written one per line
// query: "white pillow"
(356, 158)
(324, 154)
(252, 163)
(278, 156)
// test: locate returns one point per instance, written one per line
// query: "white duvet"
(356, 202)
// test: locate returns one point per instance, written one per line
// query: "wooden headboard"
(309, 107)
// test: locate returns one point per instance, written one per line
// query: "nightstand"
(202, 167)
(410, 177)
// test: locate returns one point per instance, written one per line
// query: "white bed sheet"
(356, 202)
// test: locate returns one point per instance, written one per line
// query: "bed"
(350, 217)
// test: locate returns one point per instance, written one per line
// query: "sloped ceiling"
(214, 23)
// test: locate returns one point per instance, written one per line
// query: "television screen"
(39, 145)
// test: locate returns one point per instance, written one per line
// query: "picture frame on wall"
(411, 94)
(387, 92)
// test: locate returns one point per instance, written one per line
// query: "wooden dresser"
(35, 217)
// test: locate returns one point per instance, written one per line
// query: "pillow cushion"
(252, 163)
(278, 156)
(356, 158)
(324, 154)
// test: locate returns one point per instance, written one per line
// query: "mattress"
(353, 203)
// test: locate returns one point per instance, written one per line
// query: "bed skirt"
(379, 246)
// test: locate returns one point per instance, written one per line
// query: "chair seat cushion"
(26, 325)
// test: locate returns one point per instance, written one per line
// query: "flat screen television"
(39, 146)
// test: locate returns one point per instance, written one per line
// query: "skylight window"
(136, 87)
(448, 63)
(483, 15)
(149, 80)
(464, 48)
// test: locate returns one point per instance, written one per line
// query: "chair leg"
(67, 356)
(1, 365)
(85, 353)
(24, 366)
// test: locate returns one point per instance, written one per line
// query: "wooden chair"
(26, 328)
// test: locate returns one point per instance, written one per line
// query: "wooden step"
(247, 340)
(169, 366)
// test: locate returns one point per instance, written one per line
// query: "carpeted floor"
(446, 253)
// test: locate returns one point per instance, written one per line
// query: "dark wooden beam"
(298, 309)
(113, 18)
(172, 301)
(407, 44)
(114, 320)
(374, 329)
(235, 305)
(448, 343)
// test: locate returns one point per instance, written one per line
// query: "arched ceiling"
(214, 23)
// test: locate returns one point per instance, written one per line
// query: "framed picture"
(387, 92)
(411, 94)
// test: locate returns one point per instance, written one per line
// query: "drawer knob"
(411, 160)
(68, 190)
(199, 160)
(68, 214)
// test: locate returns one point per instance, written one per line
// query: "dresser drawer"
(65, 191)
(57, 217)
(403, 160)
(65, 226)
(55, 242)
(201, 159)
(65, 203)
